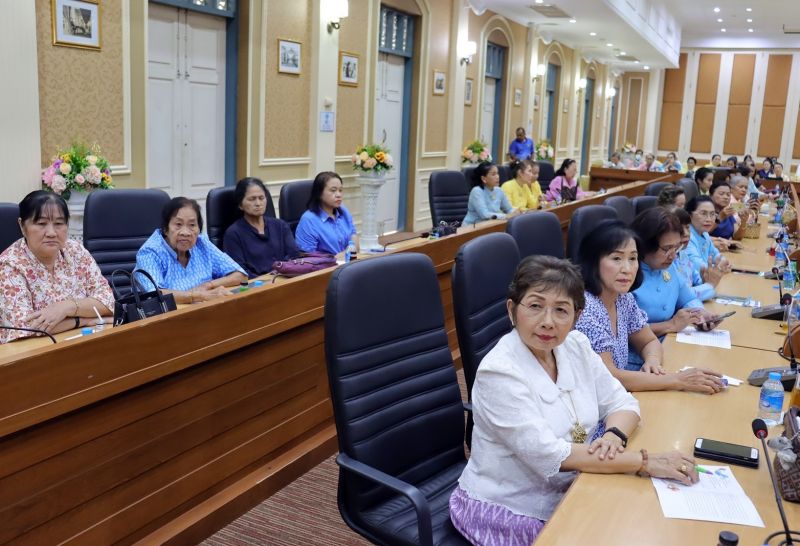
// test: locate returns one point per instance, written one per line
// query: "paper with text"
(715, 338)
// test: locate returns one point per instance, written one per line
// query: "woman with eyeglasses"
(729, 221)
(670, 303)
(701, 250)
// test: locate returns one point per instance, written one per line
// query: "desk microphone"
(774, 311)
(4, 327)
(760, 430)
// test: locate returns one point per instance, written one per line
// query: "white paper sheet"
(716, 497)
(715, 338)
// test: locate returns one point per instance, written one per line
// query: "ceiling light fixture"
(646, 67)
(609, 44)
(592, 34)
(716, 10)
(749, 30)
(719, 20)
(723, 30)
(748, 10)
(573, 20)
(622, 53)
(635, 62)
(749, 20)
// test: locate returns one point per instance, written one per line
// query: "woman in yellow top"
(523, 190)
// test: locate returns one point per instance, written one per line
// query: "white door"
(389, 129)
(487, 117)
(186, 101)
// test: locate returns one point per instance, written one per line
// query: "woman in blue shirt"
(182, 260)
(327, 225)
(670, 303)
(701, 250)
(486, 200)
(703, 281)
(255, 240)
(729, 223)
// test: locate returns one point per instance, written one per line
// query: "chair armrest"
(467, 406)
(413, 494)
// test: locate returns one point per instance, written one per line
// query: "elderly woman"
(729, 221)
(702, 280)
(255, 241)
(650, 164)
(671, 164)
(670, 303)
(486, 200)
(48, 281)
(183, 261)
(702, 249)
(613, 321)
(538, 399)
(672, 197)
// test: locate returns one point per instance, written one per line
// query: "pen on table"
(702, 470)
(99, 317)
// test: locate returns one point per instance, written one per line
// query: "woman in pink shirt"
(564, 186)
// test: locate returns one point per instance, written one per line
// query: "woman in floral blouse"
(47, 281)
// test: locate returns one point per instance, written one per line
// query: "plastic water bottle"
(789, 277)
(351, 253)
(770, 403)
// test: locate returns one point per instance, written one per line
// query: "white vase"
(371, 184)
(76, 203)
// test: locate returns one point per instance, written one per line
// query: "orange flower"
(380, 157)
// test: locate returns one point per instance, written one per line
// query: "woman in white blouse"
(545, 406)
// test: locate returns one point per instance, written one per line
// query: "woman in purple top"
(613, 321)
(564, 186)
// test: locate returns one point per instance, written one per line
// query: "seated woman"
(564, 185)
(486, 200)
(182, 260)
(523, 190)
(732, 162)
(740, 200)
(650, 164)
(671, 164)
(613, 321)
(766, 169)
(539, 398)
(729, 222)
(716, 161)
(701, 247)
(614, 162)
(703, 280)
(255, 241)
(327, 225)
(704, 178)
(672, 197)
(670, 303)
(48, 281)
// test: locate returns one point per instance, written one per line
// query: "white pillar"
(653, 109)
(20, 142)
(324, 85)
(458, 75)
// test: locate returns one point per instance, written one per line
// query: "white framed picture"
(289, 56)
(76, 23)
(517, 97)
(439, 82)
(468, 85)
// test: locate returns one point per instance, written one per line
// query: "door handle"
(384, 137)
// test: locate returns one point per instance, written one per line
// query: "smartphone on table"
(716, 319)
(726, 453)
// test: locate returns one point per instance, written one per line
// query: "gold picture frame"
(76, 23)
(348, 68)
(290, 56)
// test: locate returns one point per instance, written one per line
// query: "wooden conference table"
(624, 509)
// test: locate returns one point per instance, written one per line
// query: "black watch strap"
(618, 433)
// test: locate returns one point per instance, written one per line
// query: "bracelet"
(643, 469)
(76, 307)
(77, 322)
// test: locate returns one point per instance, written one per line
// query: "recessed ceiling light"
(622, 53)
(749, 30)
(646, 67)
(592, 34)
(609, 44)
(719, 20)
(635, 62)
(540, 1)
(749, 20)
(723, 30)
(573, 20)
(748, 10)
(716, 10)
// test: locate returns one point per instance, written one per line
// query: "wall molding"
(284, 161)
(127, 137)
(437, 155)
(495, 22)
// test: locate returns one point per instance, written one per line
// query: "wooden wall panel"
(776, 88)
(705, 102)
(672, 105)
(739, 104)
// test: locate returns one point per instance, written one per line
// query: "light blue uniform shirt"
(484, 203)
(700, 248)
(319, 232)
(703, 290)
(206, 263)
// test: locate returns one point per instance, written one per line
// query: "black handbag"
(138, 305)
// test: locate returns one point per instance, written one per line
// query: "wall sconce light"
(540, 71)
(612, 92)
(337, 10)
(466, 50)
(581, 85)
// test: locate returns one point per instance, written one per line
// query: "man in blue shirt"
(521, 147)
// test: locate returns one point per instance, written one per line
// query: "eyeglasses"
(670, 248)
(536, 310)
(705, 214)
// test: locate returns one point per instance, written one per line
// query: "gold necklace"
(577, 431)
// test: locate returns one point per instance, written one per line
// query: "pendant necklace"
(666, 276)
(577, 431)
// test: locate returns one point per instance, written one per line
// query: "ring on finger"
(683, 469)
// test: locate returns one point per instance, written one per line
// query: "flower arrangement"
(475, 152)
(629, 148)
(544, 151)
(78, 168)
(372, 158)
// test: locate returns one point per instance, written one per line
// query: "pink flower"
(65, 168)
(389, 161)
(59, 184)
(48, 174)
(79, 179)
(484, 154)
(356, 160)
(370, 163)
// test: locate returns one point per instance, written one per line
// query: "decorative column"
(371, 184)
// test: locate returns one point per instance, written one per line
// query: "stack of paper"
(714, 338)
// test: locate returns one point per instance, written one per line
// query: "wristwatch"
(617, 432)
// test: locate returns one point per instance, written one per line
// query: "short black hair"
(717, 185)
(652, 224)
(518, 166)
(172, 207)
(692, 158)
(33, 206)
(667, 196)
(716, 155)
(243, 184)
(701, 173)
(480, 171)
(692, 205)
(734, 159)
(607, 237)
(564, 166)
(548, 273)
(317, 187)
(683, 217)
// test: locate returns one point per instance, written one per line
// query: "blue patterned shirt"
(700, 248)
(484, 203)
(693, 278)
(595, 323)
(206, 263)
(317, 231)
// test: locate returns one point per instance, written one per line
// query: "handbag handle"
(159, 295)
(134, 288)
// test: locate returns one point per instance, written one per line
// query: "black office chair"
(546, 173)
(584, 220)
(623, 206)
(222, 211)
(537, 232)
(482, 271)
(116, 223)
(505, 173)
(690, 188)
(396, 401)
(448, 195)
(293, 200)
(643, 202)
(655, 188)
(9, 226)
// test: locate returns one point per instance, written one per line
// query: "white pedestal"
(76, 203)
(370, 188)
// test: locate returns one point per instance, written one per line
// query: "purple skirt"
(488, 524)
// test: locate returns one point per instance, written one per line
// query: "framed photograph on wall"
(468, 84)
(517, 97)
(348, 69)
(536, 101)
(439, 82)
(76, 23)
(289, 56)
(566, 105)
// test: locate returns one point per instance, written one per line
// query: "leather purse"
(789, 480)
(138, 305)
(307, 263)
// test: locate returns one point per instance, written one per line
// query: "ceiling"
(693, 23)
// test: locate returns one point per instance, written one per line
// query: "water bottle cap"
(86, 331)
(775, 376)
(258, 283)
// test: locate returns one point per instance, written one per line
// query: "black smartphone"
(753, 196)
(716, 319)
(726, 453)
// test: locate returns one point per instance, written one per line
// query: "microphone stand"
(761, 433)
(34, 330)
